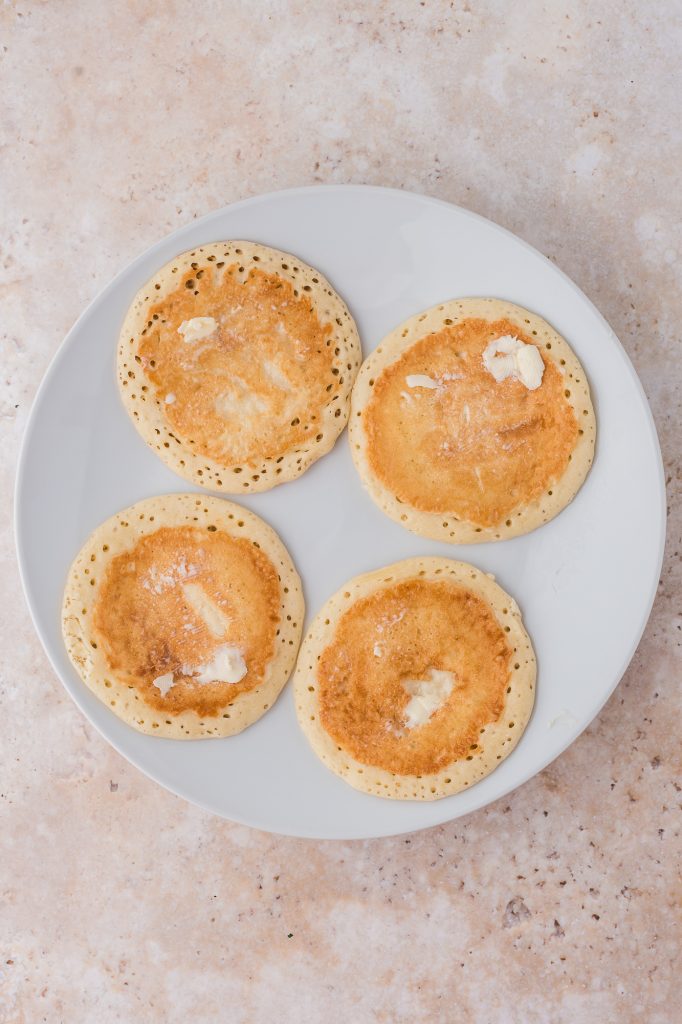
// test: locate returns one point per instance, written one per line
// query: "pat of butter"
(427, 696)
(508, 357)
(212, 615)
(198, 328)
(226, 666)
(420, 380)
(164, 683)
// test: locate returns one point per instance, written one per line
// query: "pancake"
(472, 422)
(415, 681)
(183, 614)
(235, 363)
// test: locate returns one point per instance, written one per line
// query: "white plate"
(585, 582)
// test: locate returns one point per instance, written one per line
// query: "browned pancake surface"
(472, 447)
(148, 626)
(416, 625)
(256, 387)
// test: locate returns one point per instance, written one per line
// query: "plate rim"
(21, 540)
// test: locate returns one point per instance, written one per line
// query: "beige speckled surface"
(120, 122)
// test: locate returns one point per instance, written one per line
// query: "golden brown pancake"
(183, 614)
(416, 680)
(452, 452)
(236, 363)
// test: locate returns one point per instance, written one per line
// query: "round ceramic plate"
(585, 582)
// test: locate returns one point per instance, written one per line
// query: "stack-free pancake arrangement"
(415, 680)
(184, 614)
(239, 365)
(472, 421)
(236, 364)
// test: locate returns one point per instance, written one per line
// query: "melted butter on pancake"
(226, 666)
(427, 696)
(248, 363)
(198, 328)
(441, 676)
(187, 612)
(471, 447)
(164, 682)
(508, 357)
(420, 380)
(212, 614)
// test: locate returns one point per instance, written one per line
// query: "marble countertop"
(120, 122)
